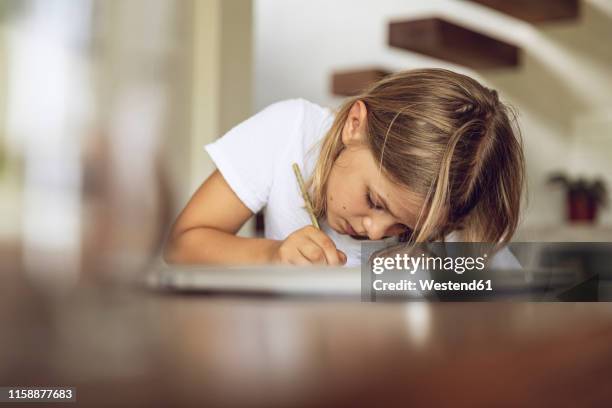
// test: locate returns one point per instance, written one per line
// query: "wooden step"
(351, 82)
(536, 11)
(441, 39)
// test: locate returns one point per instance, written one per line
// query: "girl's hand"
(308, 246)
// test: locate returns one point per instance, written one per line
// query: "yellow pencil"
(300, 180)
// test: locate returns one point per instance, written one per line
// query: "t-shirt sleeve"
(247, 155)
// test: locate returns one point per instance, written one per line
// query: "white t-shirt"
(256, 157)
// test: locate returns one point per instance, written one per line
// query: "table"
(120, 345)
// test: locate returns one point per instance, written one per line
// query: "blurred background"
(105, 106)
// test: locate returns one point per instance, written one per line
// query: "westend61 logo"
(459, 271)
(431, 270)
(423, 274)
(411, 264)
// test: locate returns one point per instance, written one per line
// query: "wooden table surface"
(126, 347)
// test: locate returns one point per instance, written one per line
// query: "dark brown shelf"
(349, 83)
(444, 40)
(536, 11)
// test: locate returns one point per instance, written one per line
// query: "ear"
(355, 126)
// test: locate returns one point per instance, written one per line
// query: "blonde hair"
(449, 140)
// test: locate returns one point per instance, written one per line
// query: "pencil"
(308, 204)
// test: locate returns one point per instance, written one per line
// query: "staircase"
(439, 38)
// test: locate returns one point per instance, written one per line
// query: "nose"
(376, 227)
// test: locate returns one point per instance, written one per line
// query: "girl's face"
(361, 201)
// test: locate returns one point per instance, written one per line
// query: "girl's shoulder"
(308, 121)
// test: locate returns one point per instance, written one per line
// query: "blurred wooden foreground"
(124, 346)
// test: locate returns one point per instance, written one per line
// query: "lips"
(349, 230)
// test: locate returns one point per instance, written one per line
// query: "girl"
(421, 155)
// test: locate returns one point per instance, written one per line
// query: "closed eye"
(371, 202)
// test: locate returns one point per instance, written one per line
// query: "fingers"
(333, 256)
(313, 253)
(308, 246)
(299, 260)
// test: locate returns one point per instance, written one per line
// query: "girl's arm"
(204, 231)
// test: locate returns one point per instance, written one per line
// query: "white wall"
(10, 197)
(565, 77)
(221, 79)
(591, 150)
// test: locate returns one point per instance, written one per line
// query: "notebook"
(283, 280)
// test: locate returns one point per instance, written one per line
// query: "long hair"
(447, 139)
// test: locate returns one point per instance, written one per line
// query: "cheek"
(343, 195)
(338, 203)
(395, 230)
(348, 203)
